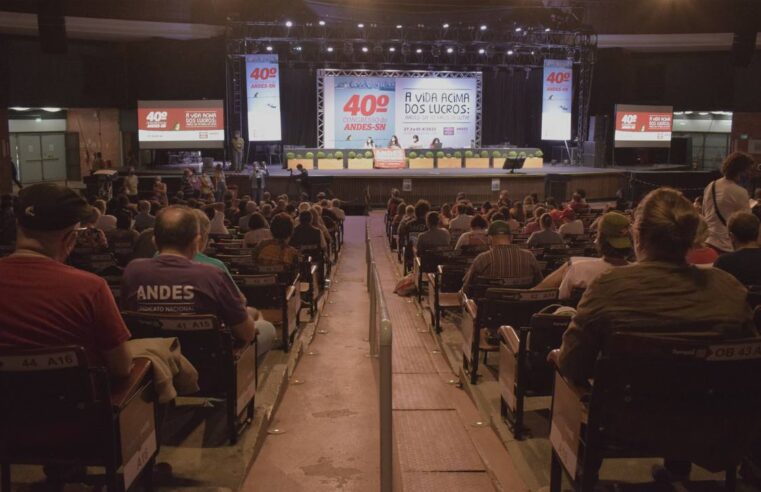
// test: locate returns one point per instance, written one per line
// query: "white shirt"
(581, 272)
(130, 185)
(472, 238)
(573, 228)
(460, 225)
(218, 224)
(731, 198)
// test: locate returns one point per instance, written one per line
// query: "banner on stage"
(557, 100)
(389, 158)
(263, 98)
(378, 106)
(181, 124)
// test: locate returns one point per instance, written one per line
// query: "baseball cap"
(614, 228)
(499, 227)
(50, 207)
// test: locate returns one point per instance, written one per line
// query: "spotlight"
(296, 49)
(20, 108)
(450, 50)
(547, 29)
(288, 24)
(483, 27)
(392, 49)
(51, 110)
(398, 26)
(269, 48)
(533, 52)
(322, 23)
(510, 52)
(418, 51)
(518, 29)
(329, 49)
(364, 49)
(481, 51)
(360, 25)
(38, 120)
(445, 26)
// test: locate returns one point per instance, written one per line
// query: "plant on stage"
(538, 153)
(320, 155)
(429, 154)
(299, 156)
(468, 153)
(484, 153)
(439, 155)
(522, 155)
(330, 155)
(512, 155)
(368, 154)
(339, 155)
(310, 155)
(496, 154)
(458, 154)
(290, 155)
(352, 155)
(413, 155)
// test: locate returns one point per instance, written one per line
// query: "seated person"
(172, 283)
(460, 224)
(393, 203)
(124, 233)
(106, 222)
(614, 245)
(546, 236)
(335, 207)
(417, 224)
(659, 292)
(250, 208)
(435, 238)
(476, 236)
(503, 260)
(577, 203)
(91, 237)
(45, 303)
(745, 262)
(277, 251)
(660, 288)
(700, 254)
(571, 225)
(258, 230)
(307, 235)
(216, 214)
(533, 224)
(143, 219)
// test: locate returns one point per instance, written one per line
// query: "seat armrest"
(440, 269)
(470, 307)
(417, 262)
(239, 350)
(123, 389)
(582, 392)
(510, 338)
(290, 291)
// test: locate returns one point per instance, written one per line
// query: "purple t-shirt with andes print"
(175, 285)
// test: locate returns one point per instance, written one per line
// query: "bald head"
(177, 229)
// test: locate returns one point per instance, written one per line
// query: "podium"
(389, 158)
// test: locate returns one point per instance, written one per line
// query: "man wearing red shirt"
(45, 303)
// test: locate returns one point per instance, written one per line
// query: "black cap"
(50, 207)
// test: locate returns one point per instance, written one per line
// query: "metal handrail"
(380, 339)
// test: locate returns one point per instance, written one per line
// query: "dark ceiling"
(604, 16)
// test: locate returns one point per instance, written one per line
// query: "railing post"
(386, 409)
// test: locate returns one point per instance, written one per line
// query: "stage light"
(688, 112)
(547, 29)
(329, 49)
(365, 49)
(518, 29)
(445, 26)
(703, 113)
(392, 49)
(481, 51)
(398, 26)
(38, 120)
(418, 51)
(450, 50)
(322, 23)
(51, 110)
(20, 108)
(483, 27)
(510, 52)
(360, 25)
(269, 48)
(533, 52)
(288, 24)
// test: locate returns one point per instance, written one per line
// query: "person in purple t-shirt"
(172, 283)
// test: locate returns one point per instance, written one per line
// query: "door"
(53, 157)
(30, 158)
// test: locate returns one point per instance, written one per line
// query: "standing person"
(159, 191)
(14, 174)
(724, 197)
(130, 185)
(302, 179)
(186, 184)
(205, 186)
(220, 183)
(237, 150)
(258, 180)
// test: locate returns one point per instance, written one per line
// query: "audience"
(572, 226)
(144, 219)
(460, 224)
(503, 260)
(745, 262)
(476, 236)
(277, 251)
(258, 230)
(106, 222)
(250, 208)
(91, 237)
(724, 197)
(700, 254)
(45, 303)
(546, 236)
(435, 238)
(216, 214)
(307, 236)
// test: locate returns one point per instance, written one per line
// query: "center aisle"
(442, 444)
(330, 422)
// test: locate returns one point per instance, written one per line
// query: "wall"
(98, 130)
(746, 124)
(5, 154)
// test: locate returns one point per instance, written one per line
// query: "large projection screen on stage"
(354, 105)
(643, 126)
(181, 124)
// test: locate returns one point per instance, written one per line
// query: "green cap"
(499, 227)
(614, 229)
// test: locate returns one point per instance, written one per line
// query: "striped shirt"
(503, 261)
